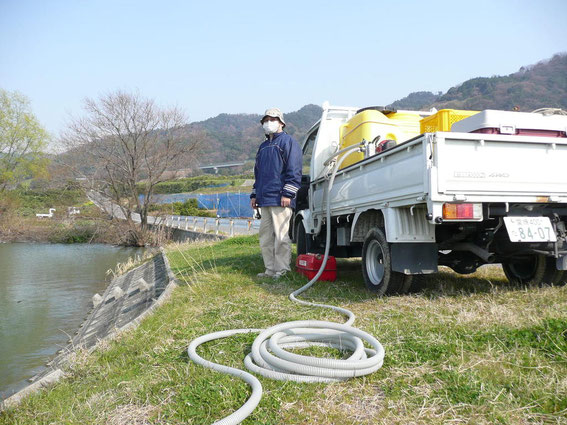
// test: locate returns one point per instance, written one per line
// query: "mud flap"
(414, 258)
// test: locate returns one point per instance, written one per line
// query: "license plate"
(530, 229)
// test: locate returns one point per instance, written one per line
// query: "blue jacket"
(277, 171)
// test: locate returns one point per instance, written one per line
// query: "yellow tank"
(370, 123)
(407, 122)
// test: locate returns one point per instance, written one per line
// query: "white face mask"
(270, 127)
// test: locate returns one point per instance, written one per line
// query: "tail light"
(462, 211)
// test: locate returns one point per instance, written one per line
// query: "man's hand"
(253, 202)
(286, 202)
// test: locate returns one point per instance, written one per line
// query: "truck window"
(308, 151)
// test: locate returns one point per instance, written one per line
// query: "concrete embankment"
(182, 235)
(126, 301)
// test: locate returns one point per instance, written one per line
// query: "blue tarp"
(170, 198)
(226, 204)
(208, 202)
(234, 205)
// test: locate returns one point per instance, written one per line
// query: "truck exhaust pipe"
(488, 257)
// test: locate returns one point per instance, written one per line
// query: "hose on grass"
(270, 357)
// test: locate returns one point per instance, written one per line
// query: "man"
(277, 179)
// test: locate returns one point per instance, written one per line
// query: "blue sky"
(211, 57)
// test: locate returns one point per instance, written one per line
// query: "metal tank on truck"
(417, 190)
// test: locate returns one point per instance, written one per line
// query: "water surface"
(45, 294)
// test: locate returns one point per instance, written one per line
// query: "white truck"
(457, 199)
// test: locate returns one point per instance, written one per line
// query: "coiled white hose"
(269, 356)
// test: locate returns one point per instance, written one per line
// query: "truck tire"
(377, 267)
(303, 242)
(538, 270)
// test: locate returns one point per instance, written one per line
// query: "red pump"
(309, 264)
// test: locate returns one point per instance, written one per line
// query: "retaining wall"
(126, 301)
(182, 235)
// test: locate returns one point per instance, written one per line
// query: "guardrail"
(228, 226)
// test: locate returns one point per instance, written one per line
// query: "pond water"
(45, 294)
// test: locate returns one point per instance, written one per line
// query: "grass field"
(467, 349)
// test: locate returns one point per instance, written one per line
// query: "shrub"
(48, 198)
(189, 207)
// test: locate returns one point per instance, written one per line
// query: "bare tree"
(123, 145)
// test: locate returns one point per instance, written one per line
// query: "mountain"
(532, 87)
(415, 101)
(537, 86)
(236, 137)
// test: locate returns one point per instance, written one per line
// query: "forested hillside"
(235, 137)
(536, 86)
(416, 101)
(532, 87)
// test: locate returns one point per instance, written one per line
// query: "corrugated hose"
(270, 357)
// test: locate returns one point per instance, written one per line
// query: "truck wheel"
(303, 242)
(537, 270)
(377, 267)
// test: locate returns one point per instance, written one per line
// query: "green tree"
(22, 140)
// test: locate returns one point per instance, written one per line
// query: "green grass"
(234, 187)
(201, 184)
(467, 349)
(30, 202)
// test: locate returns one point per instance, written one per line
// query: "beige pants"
(274, 239)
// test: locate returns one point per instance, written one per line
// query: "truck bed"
(447, 167)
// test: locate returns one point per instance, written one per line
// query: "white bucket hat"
(274, 113)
